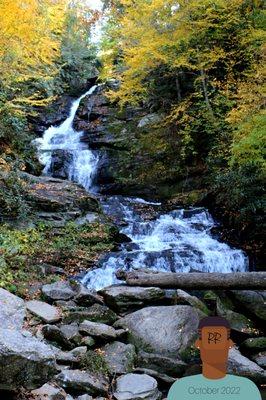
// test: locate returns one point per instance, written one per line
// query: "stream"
(179, 240)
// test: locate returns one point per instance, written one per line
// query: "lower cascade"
(172, 241)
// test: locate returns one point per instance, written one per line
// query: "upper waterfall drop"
(64, 137)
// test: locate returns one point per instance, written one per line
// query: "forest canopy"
(202, 65)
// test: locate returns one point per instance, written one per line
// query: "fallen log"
(195, 280)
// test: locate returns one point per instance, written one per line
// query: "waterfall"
(177, 241)
(65, 137)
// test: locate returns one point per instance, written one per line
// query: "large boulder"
(24, 360)
(83, 382)
(121, 297)
(12, 310)
(166, 330)
(137, 387)
(86, 297)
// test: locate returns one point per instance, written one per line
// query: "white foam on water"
(173, 242)
(65, 137)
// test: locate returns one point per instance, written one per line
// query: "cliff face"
(135, 159)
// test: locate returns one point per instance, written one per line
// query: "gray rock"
(253, 301)
(149, 119)
(242, 366)
(98, 330)
(71, 332)
(182, 296)
(61, 290)
(119, 357)
(87, 297)
(238, 322)
(66, 357)
(166, 330)
(163, 378)
(49, 392)
(124, 297)
(44, 193)
(60, 163)
(260, 359)
(137, 387)
(83, 381)
(65, 303)
(161, 363)
(84, 397)
(96, 313)
(24, 360)
(88, 341)
(54, 334)
(12, 310)
(44, 311)
(79, 351)
(73, 356)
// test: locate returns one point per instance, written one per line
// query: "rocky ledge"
(122, 342)
(57, 200)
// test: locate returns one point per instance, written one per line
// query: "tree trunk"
(205, 91)
(178, 89)
(196, 280)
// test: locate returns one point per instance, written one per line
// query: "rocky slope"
(78, 344)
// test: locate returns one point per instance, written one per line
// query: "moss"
(94, 361)
(255, 344)
(191, 354)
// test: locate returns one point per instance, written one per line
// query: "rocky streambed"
(122, 341)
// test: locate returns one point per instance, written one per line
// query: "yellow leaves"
(29, 40)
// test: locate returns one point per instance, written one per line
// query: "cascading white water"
(65, 137)
(177, 241)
